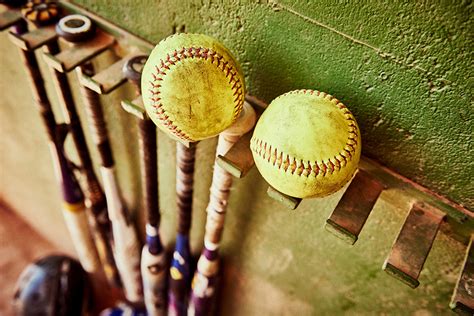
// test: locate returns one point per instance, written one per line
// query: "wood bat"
(74, 209)
(126, 243)
(205, 278)
(180, 270)
(76, 28)
(95, 198)
(153, 263)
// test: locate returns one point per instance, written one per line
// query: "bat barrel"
(74, 212)
(126, 244)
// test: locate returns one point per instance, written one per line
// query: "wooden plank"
(352, 211)
(413, 244)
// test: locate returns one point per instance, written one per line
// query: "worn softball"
(306, 144)
(192, 87)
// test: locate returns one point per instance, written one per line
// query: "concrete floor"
(19, 245)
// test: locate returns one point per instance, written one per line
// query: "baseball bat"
(95, 198)
(205, 278)
(78, 28)
(153, 261)
(73, 200)
(180, 270)
(126, 243)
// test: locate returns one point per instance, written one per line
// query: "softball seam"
(334, 164)
(176, 57)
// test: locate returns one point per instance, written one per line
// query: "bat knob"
(40, 12)
(75, 28)
(133, 68)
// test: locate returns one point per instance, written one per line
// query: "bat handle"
(180, 271)
(205, 278)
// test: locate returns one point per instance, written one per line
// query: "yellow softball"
(192, 86)
(306, 144)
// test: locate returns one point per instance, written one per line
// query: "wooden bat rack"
(428, 211)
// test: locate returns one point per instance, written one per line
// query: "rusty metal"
(289, 201)
(9, 18)
(34, 39)
(80, 53)
(350, 214)
(238, 160)
(413, 244)
(108, 79)
(462, 301)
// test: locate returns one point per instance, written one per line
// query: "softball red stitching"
(315, 168)
(192, 52)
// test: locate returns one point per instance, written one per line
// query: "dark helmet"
(54, 285)
(123, 309)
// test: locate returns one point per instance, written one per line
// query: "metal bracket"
(108, 79)
(352, 211)
(134, 107)
(238, 160)
(9, 18)
(289, 201)
(34, 39)
(413, 244)
(462, 301)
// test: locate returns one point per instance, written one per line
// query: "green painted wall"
(403, 67)
(278, 262)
